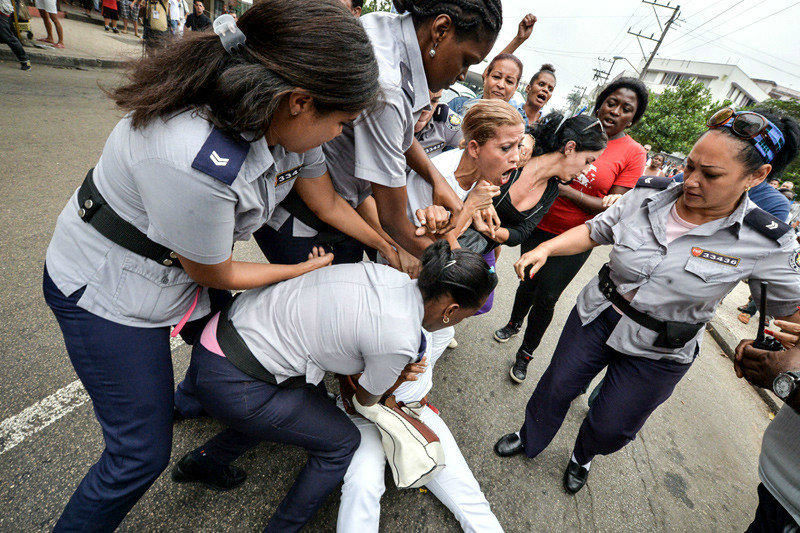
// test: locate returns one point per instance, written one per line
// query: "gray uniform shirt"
(189, 188)
(373, 147)
(685, 280)
(347, 319)
(442, 131)
(779, 463)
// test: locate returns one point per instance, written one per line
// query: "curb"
(80, 17)
(728, 343)
(64, 61)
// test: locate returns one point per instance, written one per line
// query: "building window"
(671, 78)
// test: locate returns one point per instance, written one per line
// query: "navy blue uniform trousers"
(127, 372)
(771, 517)
(255, 411)
(632, 389)
(282, 248)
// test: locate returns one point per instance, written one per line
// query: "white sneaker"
(453, 343)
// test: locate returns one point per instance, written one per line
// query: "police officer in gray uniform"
(678, 249)
(294, 230)
(199, 162)
(259, 364)
(438, 129)
(426, 48)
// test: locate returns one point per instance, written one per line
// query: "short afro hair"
(633, 84)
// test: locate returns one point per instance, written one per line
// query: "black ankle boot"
(519, 370)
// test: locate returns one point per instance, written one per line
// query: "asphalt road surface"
(692, 468)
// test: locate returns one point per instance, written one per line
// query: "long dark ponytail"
(316, 45)
(553, 132)
(461, 273)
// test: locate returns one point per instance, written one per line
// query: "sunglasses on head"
(592, 125)
(748, 125)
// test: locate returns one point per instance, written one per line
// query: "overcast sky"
(572, 34)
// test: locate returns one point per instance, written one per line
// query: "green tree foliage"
(376, 5)
(574, 99)
(791, 108)
(676, 118)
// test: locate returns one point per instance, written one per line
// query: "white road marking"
(33, 419)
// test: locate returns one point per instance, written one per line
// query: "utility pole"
(665, 29)
(603, 75)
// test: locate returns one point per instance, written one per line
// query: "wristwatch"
(786, 384)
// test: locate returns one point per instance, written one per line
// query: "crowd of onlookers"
(157, 19)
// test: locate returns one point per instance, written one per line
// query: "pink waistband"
(209, 336)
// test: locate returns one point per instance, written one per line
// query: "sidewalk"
(727, 331)
(87, 45)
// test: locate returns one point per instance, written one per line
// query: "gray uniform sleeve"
(600, 226)
(781, 269)
(313, 164)
(381, 371)
(191, 215)
(380, 144)
(386, 352)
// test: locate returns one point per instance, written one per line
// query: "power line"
(616, 41)
(740, 28)
(706, 22)
(708, 7)
(720, 23)
(748, 47)
(675, 11)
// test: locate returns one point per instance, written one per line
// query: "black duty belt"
(95, 211)
(296, 207)
(670, 334)
(236, 351)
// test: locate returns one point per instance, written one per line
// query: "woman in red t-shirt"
(620, 105)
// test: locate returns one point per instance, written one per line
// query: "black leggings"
(537, 297)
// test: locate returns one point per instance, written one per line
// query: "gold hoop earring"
(446, 319)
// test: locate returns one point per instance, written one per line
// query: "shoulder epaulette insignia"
(766, 224)
(221, 156)
(654, 182)
(406, 81)
(454, 121)
(440, 115)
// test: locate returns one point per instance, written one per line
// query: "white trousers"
(455, 486)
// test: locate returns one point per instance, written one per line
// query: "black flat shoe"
(575, 477)
(210, 473)
(177, 416)
(508, 445)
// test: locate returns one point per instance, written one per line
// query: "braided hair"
(474, 18)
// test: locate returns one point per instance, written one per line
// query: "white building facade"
(725, 82)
